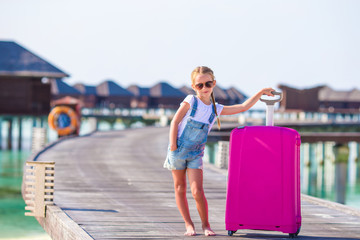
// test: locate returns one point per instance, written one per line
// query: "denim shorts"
(185, 157)
(191, 145)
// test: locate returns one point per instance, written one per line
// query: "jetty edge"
(112, 185)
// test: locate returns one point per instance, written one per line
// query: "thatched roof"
(139, 91)
(60, 87)
(220, 93)
(187, 90)
(224, 94)
(327, 94)
(85, 89)
(164, 89)
(236, 95)
(15, 60)
(110, 88)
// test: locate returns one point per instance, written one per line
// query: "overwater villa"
(320, 99)
(24, 81)
(29, 83)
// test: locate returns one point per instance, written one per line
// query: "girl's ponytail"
(217, 117)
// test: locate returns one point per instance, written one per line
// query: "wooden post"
(9, 139)
(39, 187)
(163, 119)
(323, 158)
(312, 170)
(324, 118)
(222, 157)
(242, 119)
(302, 116)
(20, 133)
(38, 139)
(93, 124)
(1, 132)
(302, 166)
(320, 169)
(34, 121)
(341, 152)
(329, 177)
(42, 121)
(352, 163)
(211, 152)
(358, 160)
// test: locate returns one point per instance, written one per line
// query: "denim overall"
(191, 144)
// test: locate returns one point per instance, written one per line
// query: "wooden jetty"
(111, 185)
(309, 133)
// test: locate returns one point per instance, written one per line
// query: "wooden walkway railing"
(111, 185)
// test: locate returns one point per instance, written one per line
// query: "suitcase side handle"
(273, 101)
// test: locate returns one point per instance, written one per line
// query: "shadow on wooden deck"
(111, 185)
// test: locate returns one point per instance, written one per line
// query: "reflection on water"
(324, 177)
(13, 223)
(321, 175)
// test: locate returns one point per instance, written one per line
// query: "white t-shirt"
(202, 114)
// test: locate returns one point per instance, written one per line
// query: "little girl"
(188, 134)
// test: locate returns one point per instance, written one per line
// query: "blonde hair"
(206, 70)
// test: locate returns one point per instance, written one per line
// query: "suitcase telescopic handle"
(273, 101)
(270, 108)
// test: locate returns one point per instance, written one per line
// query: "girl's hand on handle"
(268, 91)
(238, 108)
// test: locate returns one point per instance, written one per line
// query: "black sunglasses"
(208, 84)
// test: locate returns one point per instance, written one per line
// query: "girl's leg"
(197, 190)
(179, 177)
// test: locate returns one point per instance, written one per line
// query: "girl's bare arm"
(178, 117)
(238, 108)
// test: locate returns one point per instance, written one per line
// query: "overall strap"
(212, 115)
(194, 108)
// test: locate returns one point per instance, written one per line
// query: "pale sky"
(249, 44)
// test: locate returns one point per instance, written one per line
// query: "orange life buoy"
(63, 120)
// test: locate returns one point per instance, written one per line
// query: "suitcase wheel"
(292, 235)
(230, 233)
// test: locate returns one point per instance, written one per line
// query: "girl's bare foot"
(190, 230)
(209, 232)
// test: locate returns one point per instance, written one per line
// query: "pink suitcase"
(264, 179)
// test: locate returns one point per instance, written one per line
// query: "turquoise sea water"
(13, 223)
(322, 177)
(318, 171)
(317, 179)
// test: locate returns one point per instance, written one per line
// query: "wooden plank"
(113, 186)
